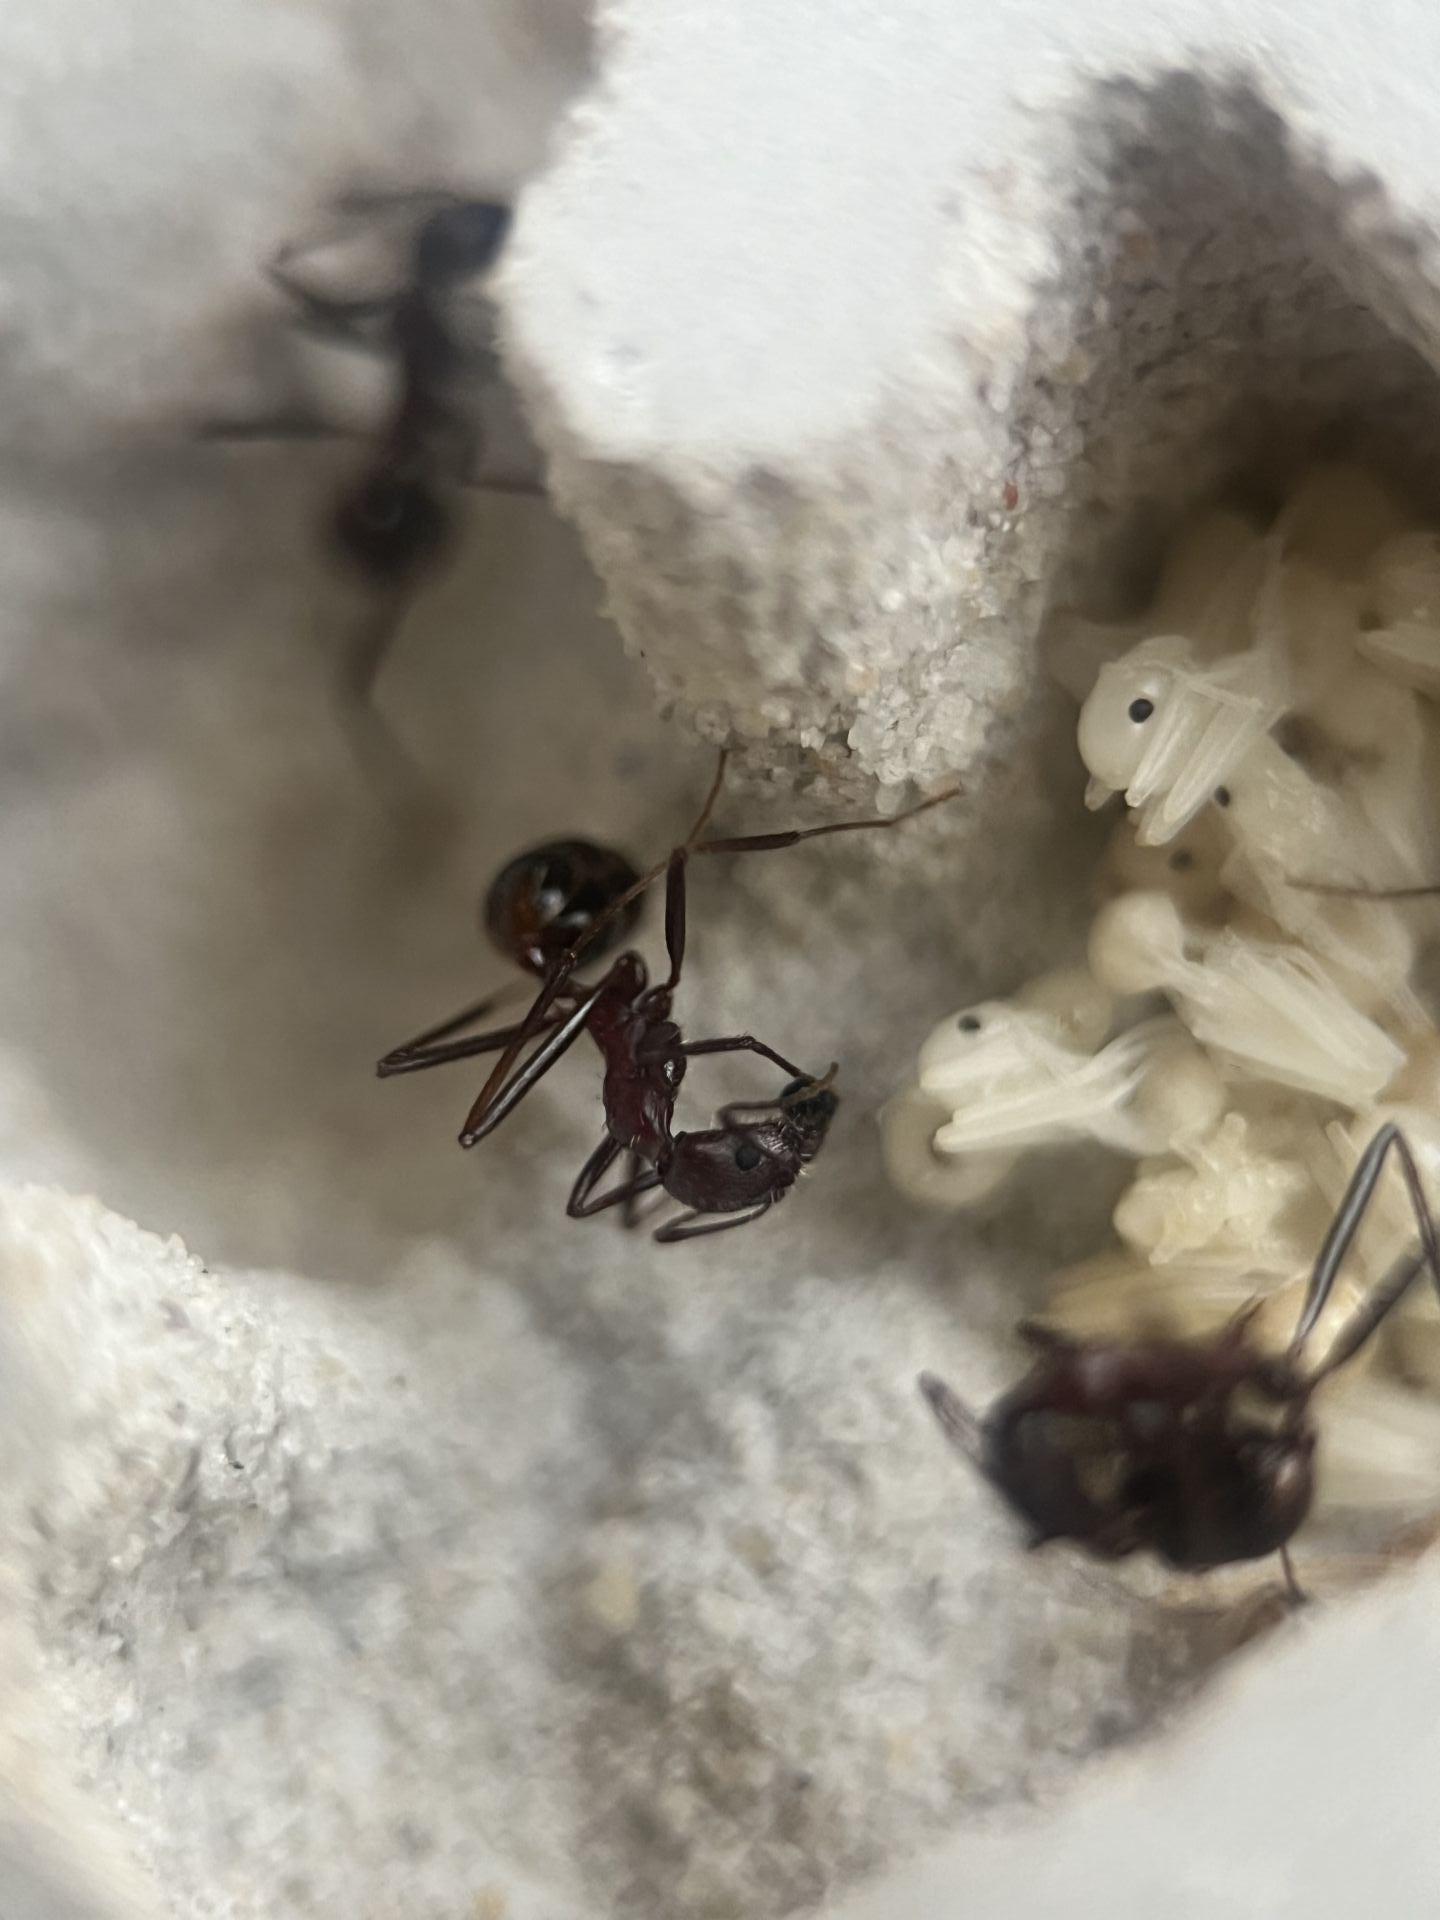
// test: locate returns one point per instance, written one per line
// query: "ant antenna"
(1335, 891)
(807, 1090)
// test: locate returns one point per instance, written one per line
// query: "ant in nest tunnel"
(547, 910)
(1201, 1451)
(392, 523)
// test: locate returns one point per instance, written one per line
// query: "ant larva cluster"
(1247, 1027)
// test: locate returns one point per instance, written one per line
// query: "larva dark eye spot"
(1182, 861)
(1141, 710)
(1222, 796)
(968, 1023)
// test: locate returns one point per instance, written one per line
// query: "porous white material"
(849, 328)
(424, 1552)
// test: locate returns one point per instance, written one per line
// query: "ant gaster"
(393, 523)
(1200, 1451)
(548, 909)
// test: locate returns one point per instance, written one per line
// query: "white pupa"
(1210, 577)
(1056, 1092)
(1267, 1009)
(1402, 638)
(1189, 868)
(1004, 1077)
(1243, 1199)
(979, 1053)
(1338, 514)
(1289, 834)
(1167, 729)
(946, 1181)
(1117, 1297)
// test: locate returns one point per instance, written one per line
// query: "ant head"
(540, 903)
(749, 1160)
(390, 526)
(809, 1114)
(460, 240)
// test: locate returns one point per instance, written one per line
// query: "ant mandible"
(550, 907)
(1201, 1451)
(392, 523)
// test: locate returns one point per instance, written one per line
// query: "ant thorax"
(1259, 734)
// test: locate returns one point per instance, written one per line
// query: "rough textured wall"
(428, 1549)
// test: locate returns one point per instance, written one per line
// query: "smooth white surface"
(1290, 1795)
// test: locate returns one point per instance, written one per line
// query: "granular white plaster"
(424, 1552)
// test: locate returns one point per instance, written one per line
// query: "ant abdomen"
(810, 1113)
(460, 240)
(542, 901)
(390, 527)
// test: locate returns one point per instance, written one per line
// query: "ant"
(392, 524)
(550, 907)
(1200, 1451)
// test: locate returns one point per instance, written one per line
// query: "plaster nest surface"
(423, 1551)
(843, 376)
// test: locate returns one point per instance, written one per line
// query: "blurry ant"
(548, 908)
(392, 523)
(1201, 1451)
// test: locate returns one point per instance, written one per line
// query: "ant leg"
(745, 1043)
(1364, 893)
(1337, 1242)
(493, 1106)
(417, 1057)
(773, 842)
(370, 649)
(1045, 1339)
(580, 1206)
(1294, 1592)
(675, 917)
(453, 1025)
(681, 1229)
(475, 479)
(499, 483)
(279, 426)
(589, 1177)
(639, 1180)
(959, 1425)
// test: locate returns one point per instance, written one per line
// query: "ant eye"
(968, 1023)
(1141, 710)
(748, 1156)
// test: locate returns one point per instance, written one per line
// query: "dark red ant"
(547, 909)
(1201, 1451)
(392, 524)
